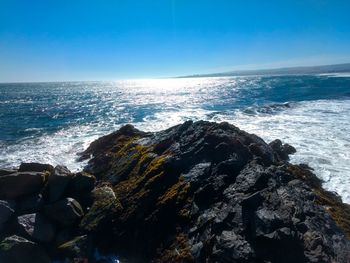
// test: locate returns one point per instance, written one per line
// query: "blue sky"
(46, 40)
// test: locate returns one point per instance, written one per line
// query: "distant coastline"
(303, 70)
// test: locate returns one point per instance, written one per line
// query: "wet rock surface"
(18, 249)
(197, 192)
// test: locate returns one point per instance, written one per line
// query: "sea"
(53, 122)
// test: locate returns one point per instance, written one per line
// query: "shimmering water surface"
(51, 122)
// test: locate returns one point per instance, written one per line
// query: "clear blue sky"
(42, 40)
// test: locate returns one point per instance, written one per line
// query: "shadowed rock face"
(208, 192)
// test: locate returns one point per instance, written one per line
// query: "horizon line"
(200, 75)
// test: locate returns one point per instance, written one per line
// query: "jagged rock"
(208, 192)
(20, 250)
(197, 192)
(79, 247)
(99, 215)
(36, 227)
(282, 151)
(65, 212)
(231, 247)
(19, 184)
(7, 208)
(82, 183)
(80, 187)
(58, 182)
(35, 167)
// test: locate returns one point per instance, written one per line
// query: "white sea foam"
(318, 129)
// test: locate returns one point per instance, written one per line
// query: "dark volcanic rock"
(197, 192)
(282, 150)
(17, 250)
(18, 184)
(65, 212)
(80, 187)
(208, 192)
(104, 205)
(35, 167)
(36, 227)
(58, 182)
(99, 219)
(30, 204)
(7, 171)
(80, 247)
(6, 211)
(82, 183)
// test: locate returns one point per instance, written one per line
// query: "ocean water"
(52, 122)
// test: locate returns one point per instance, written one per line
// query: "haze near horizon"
(90, 40)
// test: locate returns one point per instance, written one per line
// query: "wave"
(268, 109)
(309, 112)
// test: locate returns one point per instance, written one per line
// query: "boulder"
(82, 183)
(80, 187)
(65, 212)
(6, 211)
(19, 184)
(30, 204)
(105, 204)
(20, 250)
(36, 227)
(35, 167)
(58, 182)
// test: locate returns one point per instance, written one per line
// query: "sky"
(47, 40)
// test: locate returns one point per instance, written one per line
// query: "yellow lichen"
(177, 192)
(340, 212)
(179, 251)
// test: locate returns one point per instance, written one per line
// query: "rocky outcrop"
(197, 192)
(208, 192)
